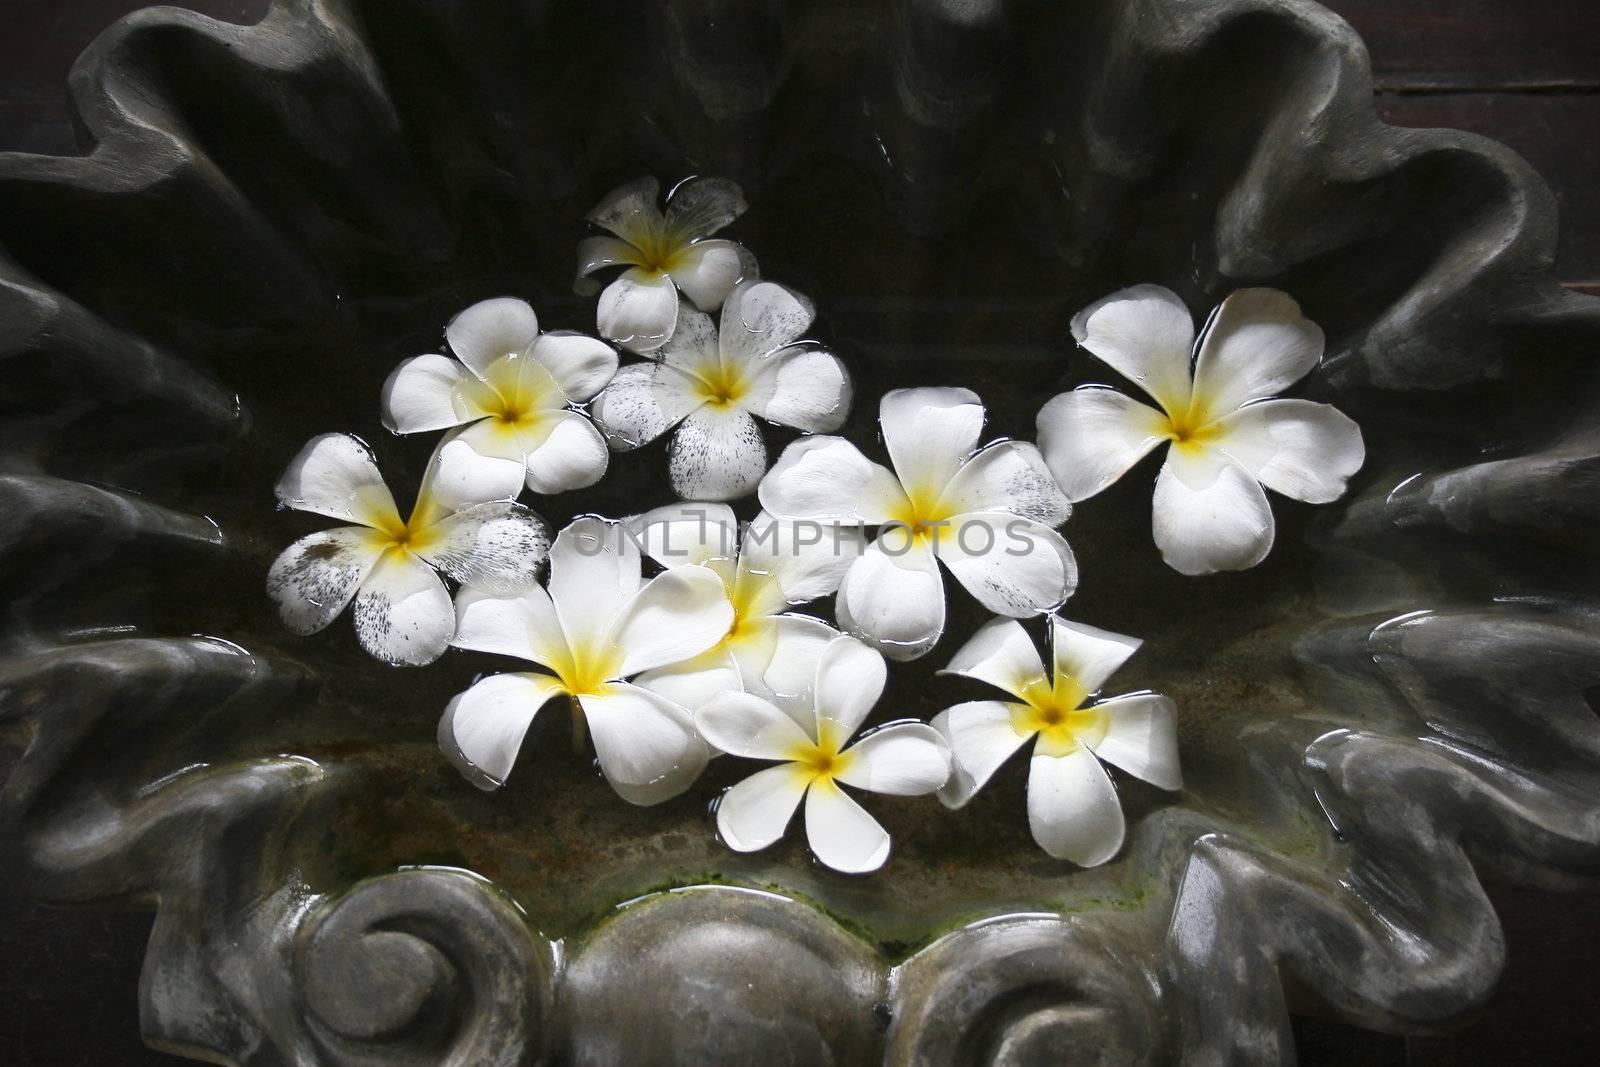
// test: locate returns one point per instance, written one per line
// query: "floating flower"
(905, 759)
(663, 254)
(988, 515)
(772, 566)
(512, 388)
(1072, 805)
(402, 610)
(709, 383)
(598, 624)
(1228, 441)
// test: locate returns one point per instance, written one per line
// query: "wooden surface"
(1524, 72)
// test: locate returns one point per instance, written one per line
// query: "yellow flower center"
(822, 762)
(721, 385)
(923, 515)
(1191, 431)
(588, 669)
(660, 249)
(1054, 712)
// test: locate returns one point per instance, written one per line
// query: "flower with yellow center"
(387, 564)
(603, 636)
(709, 384)
(663, 253)
(766, 570)
(513, 390)
(987, 514)
(1229, 439)
(1072, 805)
(904, 759)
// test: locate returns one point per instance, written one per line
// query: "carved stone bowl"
(266, 218)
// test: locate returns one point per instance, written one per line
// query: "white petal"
(894, 600)
(754, 813)
(707, 271)
(1093, 435)
(524, 626)
(678, 535)
(1142, 738)
(419, 394)
(573, 456)
(790, 678)
(692, 682)
(1146, 334)
(1073, 809)
(581, 365)
(743, 724)
(716, 454)
(595, 573)
(1301, 449)
(1007, 476)
(334, 475)
(630, 211)
(402, 614)
(477, 464)
(497, 546)
(841, 833)
(678, 614)
(850, 679)
(313, 579)
(828, 479)
(1257, 345)
(807, 559)
(1086, 654)
(929, 432)
(700, 206)
(641, 739)
(1011, 565)
(638, 310)
(810, 391)
(1002, 654)
(642, 402)
(1209, 514)
(981, 738)
(908, 759)
(491, 329)
(762, 317)
(482, 729)
(693, 347)
(598, 253)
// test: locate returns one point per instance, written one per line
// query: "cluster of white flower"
(706, 656)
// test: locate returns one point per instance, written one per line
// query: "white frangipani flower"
(1228, 439)
(904, 759)
(1073, 809)
(989, 515)
(663, 254)
(708, 383)
(598, 624)
(512, 388)
(773, 566)
(402, 610)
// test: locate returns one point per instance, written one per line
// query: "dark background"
(1524, 72)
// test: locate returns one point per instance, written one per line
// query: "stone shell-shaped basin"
(266, 218)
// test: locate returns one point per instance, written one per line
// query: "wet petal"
(1002, 654)
(1256, 346)
(1146, 334)
(810, 391)
(1007, 476)
(829, 480)
(743, 724)
(677, 614)
(806, 559)
(402, 614)
(754, 813)
(716, 454)
(594, 574)
(490, 330)
(313, 579)
(707, 271)
(894, 600)
(850, 679)
(790, 678)
(691, 683)
(1073, 809)
(907, 759)
(573, 456)
(1142, 738)
(419, 394)
(642, 402)
(482, 729)
(640, 737)
(760, 318)
(334, 475)
(497, 546)
(1087, 655)
(700, 206)
(598, 253)
(929, 432)
(1301, 449)
(981, 738)
(1209, 515)
(1092, 436)
(480, 463)
(1011, 565)
(841, 833)
(524, 626)
(693, 347)
(581, 365)
(630, 211)
(678, 535)
(638, 310)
